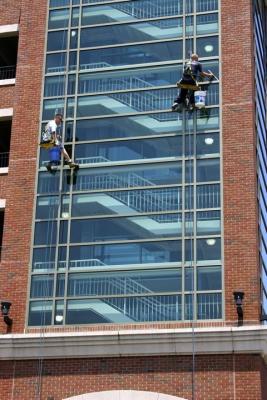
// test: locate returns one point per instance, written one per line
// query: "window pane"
(45, 233)
(55, 62)
(127, 202)
(57, 40)
(47, 207)
(119, 283)
(209, 278)
(58, 19)
(43, 259)
(129, 102)
(208, 170)
(128, 177)
(209, 306)
(130, 55)
(206, 5)
(60, 287)
(42, 286)
(87, 257)
(208, 143)
(208, 223)
(132, 228)
(209, 249)
(169, 147)
(54, 86)
(208, 196)
(129, 79)
(40, 313)
(129, 11)
(123, 310)
(59, 3)
(75, 16)
(48, 183)
(59, 312)
(50, 107)
(132, 126)
(208, 46)
(189, 279)
(208, 119)
(207, 23)
(131, 33)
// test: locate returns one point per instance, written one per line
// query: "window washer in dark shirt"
(192, 70)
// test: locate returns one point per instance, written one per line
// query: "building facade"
(122, 275)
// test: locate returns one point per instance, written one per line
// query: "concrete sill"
(4, 171)
(7, 82)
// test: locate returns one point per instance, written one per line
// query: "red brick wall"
(239, 158)
(6, 96)
(217, 377)
(18, 188)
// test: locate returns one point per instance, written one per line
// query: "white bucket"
(200, 97)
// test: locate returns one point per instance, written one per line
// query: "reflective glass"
(130, 55)
(209, 249)
(60, 285)
(63, 232)
(59, 312)
(131, 228)
(54, 86)
(130, 126)
(122, 103)
(57, 40)
(129, 11)
(127, 177)
(207, 119)
(209, 278)
(188, 279)
(208, 143)
(208, 196)
(207, 23)
(207, 46)
(124, 310)
(75, 16)
(208, 223)
(48, 183)
(168, 147)
(72, 60)
(58, 18)
(45, 233)
(73, 38)
(132, 33)
(59, 3)
(87, 257)
(55, 62)
(43, 259)
(127, 202)
(124, 283)
(71, 84)
(129, 79)
(47, 207)
(52, 106)
(40, 313)
(42, 286)
(206, 5)
(209, 306)
(208, 170)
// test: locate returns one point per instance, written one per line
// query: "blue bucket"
(55, 154)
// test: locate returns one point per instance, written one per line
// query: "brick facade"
(18, 186)
(217, 378)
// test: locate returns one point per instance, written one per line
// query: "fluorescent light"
(208, 48)
(211, 242)
(209, 140)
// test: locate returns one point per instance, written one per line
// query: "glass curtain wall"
(135, 235)
(260, 34)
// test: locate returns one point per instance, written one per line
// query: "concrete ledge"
(7, 82)
(4, 171)
(9, 30)
(6, 113)
(245, 340)
(2, 203)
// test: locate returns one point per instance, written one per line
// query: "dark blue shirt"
(192, 68)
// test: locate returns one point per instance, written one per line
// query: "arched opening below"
(124, 395)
